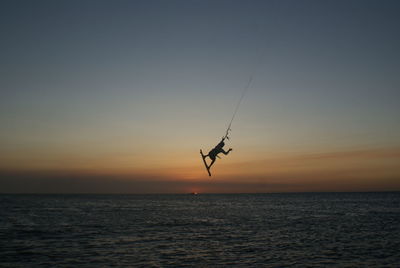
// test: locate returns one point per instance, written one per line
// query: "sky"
(119, 96)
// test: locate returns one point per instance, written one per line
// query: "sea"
(203, 230)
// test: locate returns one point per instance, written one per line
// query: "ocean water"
(242, 230)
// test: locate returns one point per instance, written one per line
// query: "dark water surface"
(246, 230)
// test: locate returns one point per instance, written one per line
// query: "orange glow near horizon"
(331, 171)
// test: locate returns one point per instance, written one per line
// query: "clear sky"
(119, 96)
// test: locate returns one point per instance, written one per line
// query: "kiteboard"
(205, 163)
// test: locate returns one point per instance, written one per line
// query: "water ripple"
(270, 230)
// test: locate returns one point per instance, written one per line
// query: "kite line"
(245, 89)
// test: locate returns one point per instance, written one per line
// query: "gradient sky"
(119, 96)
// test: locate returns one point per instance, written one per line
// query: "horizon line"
(206, 193)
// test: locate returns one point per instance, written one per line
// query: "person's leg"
(212, 157)
(212, 162)
(224, 152)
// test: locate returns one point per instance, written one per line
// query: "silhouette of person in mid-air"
(214, 152)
